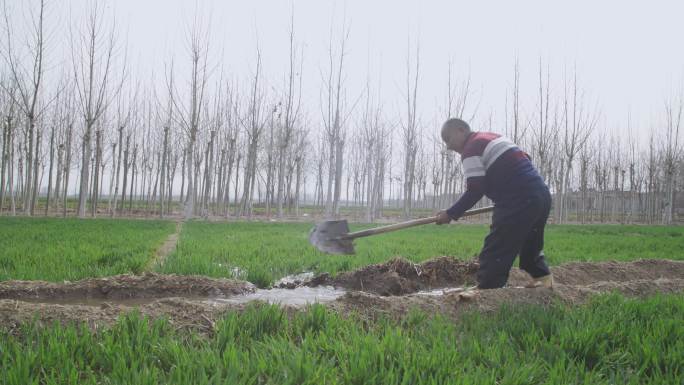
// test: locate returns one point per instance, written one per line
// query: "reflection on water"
(294, 297)
(295, 278)
(444, 291)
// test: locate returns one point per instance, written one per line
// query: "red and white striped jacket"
(496, 167)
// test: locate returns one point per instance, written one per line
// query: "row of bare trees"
(95, 141)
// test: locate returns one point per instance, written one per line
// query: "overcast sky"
(628, 54)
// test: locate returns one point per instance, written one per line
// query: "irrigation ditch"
(389, 289)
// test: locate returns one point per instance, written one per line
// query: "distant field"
(268, 251)
(140, 207)
(261, 252)
(69, 249)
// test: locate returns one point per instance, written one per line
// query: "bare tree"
(321, 152)
(299, 159)
(585, 158)
(545, 134)
(410, 131)
(126, 165)
(7, 105)
(672, 153)
(516, 130)
(124, 113)
(27, 79)
(189, 115)
(253, 124)
(290, 113)
(270, 161)
(578, 123)
(335, 115)
(53, 127)
(232, 110)
(92, 53)
(208, 166)
(457, 104)
(69, 121)
(635, 175)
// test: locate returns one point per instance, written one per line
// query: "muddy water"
(294, 279)
(299, 296)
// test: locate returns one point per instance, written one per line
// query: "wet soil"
(390, 289)
(400, 276)
(149, 285)
(453, 304)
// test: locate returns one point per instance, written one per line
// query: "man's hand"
(443, 218)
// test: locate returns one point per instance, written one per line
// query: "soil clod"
(400, 276)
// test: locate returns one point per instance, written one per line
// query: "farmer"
(494, 166)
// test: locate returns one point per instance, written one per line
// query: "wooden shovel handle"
(407, 224)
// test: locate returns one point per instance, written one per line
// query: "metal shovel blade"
(326, 237)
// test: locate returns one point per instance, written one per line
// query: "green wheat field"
(610, 340)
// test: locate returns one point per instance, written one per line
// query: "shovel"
(333, 237)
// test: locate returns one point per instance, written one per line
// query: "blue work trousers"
(517, 229)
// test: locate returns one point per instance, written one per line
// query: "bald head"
(455, 124)
(454, 134)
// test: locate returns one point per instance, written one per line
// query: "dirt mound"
(149, 285)
(454, 304)
(399, 276)
(585, 273)
(181, 313)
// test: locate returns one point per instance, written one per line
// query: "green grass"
(57, 249)
(611, 340)
(268, 251)
(70, 249)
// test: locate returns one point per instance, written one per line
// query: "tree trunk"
(269, 170)
(157, 176)
(125, 172)
(4, 159)
(298, 184)
(67, 169)
(13, 203)
(36, 170)
(163, 171)
(118, 171)
(237, 180)
(58, 182)
(52, 157)
(338, 177)
(183, 170)
(189, 204)
(96, 177)
(85, 169)
(28, 197)
(134, 176)
(229, 169)
(170, 177)
(208, 166)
